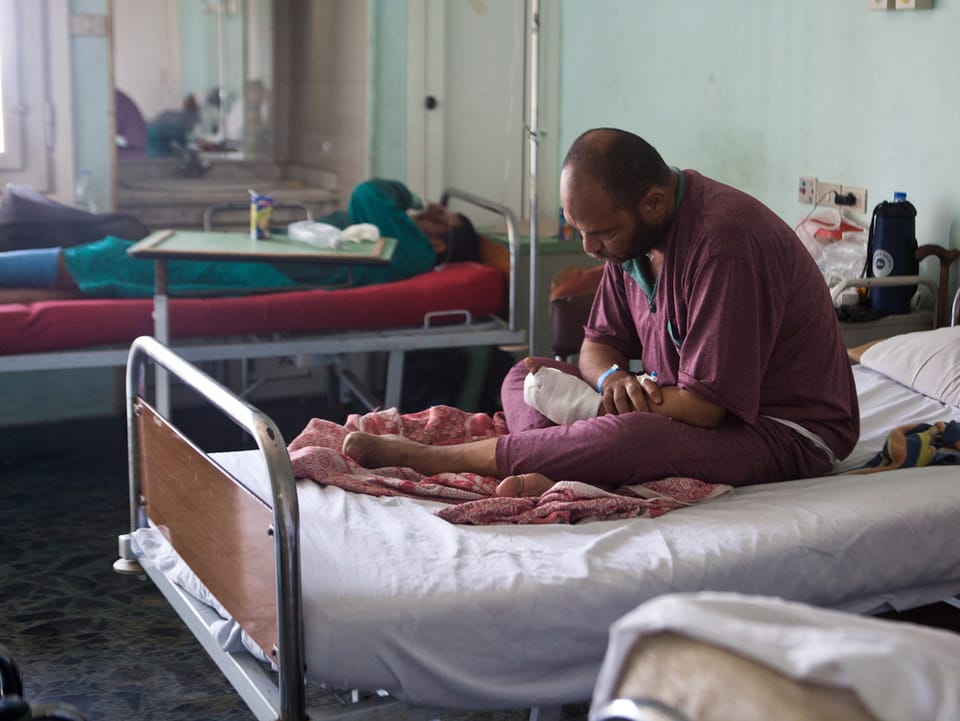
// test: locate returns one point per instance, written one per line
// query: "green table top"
(210, 245)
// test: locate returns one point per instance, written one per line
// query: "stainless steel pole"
(534, 134)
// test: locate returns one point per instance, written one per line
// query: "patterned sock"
(33, 268)
(559, 396)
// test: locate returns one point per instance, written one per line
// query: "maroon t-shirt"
(740, 314)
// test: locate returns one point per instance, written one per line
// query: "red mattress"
(74, 324)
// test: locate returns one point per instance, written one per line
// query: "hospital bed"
(463, 305)
(719, 656)
(348, 591)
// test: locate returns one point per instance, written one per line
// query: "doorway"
(468, 95)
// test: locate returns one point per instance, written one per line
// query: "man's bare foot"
(373, 451)
(524, 485)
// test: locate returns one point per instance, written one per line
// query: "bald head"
(624, 164)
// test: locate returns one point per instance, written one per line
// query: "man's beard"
(645, 238)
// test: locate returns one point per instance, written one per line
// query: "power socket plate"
(806, 189)
(817, 192)
(859, 197)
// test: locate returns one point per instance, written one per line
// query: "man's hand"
(623, 392)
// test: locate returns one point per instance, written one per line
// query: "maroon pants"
(613, 450)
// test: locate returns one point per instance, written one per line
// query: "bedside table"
(553, 256)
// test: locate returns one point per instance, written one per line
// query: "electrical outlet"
(859, 203)
(816, 192)
(826, 193)
(829, 193)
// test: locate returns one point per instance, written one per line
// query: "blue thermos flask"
(892, 250)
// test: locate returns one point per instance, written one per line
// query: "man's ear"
(654, 205)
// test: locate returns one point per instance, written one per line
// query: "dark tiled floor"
(82, 634)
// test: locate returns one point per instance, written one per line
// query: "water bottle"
(83, 192)
(561, 225)
(892, 248)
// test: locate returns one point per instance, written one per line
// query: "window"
(11, 142)
(26, 121)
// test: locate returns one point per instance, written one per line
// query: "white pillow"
(927, 361)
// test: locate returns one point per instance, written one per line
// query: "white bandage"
(361, 231)
(561, 397)
(647, 377)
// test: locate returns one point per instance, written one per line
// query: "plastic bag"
(838, 246)
(319, 235)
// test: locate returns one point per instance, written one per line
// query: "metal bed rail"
(955, 309)
(269, 697)
(395, 342)
(286, 513)
(513, 244)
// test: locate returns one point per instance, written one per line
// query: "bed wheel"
(127, 563)
(126, 567)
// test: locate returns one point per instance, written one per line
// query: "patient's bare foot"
(524, 485)
(373, 451)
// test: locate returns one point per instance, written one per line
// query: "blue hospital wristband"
(603, 376)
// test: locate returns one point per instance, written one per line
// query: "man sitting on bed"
(425, 237)
(704, 286)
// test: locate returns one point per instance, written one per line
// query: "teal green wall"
(388, 131)
(757, 93)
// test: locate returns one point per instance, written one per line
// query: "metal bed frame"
(270, 696)
(281, 695)
(471, 332)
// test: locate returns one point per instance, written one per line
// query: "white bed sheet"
(515, 616)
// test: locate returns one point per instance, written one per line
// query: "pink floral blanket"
(315, 454)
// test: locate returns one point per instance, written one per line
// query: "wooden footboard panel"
(220, 529)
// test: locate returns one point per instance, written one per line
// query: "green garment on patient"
(104, 269)
(384, 203)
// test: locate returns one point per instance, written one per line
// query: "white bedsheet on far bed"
(513, 616)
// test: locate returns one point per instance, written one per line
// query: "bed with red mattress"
(455, 305)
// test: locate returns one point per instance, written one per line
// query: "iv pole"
(533, 134)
